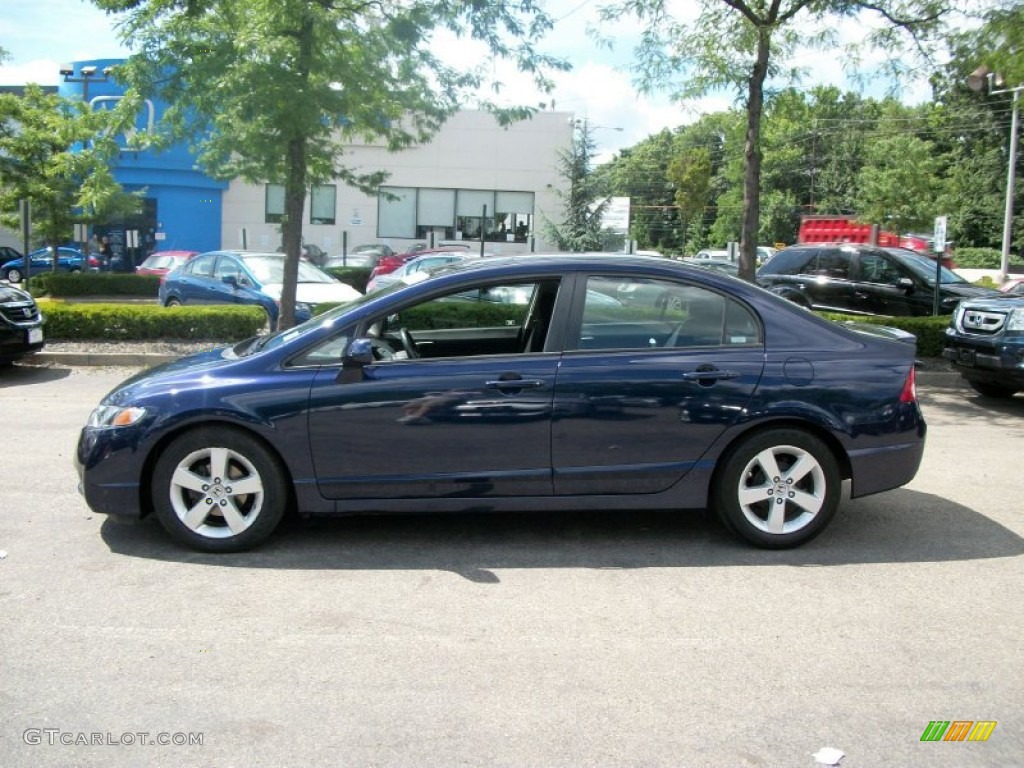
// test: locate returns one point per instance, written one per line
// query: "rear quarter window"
(799, 261)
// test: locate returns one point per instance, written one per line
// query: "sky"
(40, 35)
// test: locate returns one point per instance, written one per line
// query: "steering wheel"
(408, 344)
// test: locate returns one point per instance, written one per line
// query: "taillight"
(909, 393)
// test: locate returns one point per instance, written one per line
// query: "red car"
(162, 262)
(388, 264)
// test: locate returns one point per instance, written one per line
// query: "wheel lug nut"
(792, 495)
(779, 500)
(206, 487)
(209, 500)
(228, 489)
(223, 502)
(216, 481)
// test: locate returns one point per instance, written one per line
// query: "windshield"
(270, 269)
(924, 267)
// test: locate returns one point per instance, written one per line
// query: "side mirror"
(231, 280)
(358, 355)
(906, 284)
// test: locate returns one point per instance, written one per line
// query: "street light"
(87, 75)
(983, 79)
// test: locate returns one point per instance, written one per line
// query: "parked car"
(419, 265)
(1013, 285)
(421, 399)
(21, 325)
(162, 262)
(390, 263)
(9, 254)
(353, 260)
(244, 277)
(68, 260)
(722, 265)
(863, 280)
(381, 248)
(985, 342)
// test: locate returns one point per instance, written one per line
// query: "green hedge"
(357, 277)
(979, 258)
(930, 331)
(136, 322)
(62, 284)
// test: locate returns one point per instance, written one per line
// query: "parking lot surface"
(644, 639)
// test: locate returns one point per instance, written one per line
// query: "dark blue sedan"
(68, 260)
(432, 397)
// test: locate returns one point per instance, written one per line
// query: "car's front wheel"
(172, 302)
(778, 488)
(992, 390)
(219, 490)
(14, 275)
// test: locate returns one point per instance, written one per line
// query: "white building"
(440, 189)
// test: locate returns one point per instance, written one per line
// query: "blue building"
(182, 205)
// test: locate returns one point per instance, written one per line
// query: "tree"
(738, 45)
(583, 205)
(274, 90)
(899, 185)
(56, 154)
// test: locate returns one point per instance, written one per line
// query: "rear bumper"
(887, 467)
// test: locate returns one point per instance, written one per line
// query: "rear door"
(645, 387)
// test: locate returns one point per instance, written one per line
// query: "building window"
(448, 214)
(274, 212)
(322, 204)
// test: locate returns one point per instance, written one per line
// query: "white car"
(415, 269)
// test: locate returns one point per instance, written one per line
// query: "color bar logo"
(958, 730)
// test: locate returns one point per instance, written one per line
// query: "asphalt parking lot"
(530, 640)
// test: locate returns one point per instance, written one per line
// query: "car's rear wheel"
(992, 390)
(172, 303)
(778, 488)
(14, 275)
(219, 490)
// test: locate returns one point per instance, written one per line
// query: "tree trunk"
(752, 152)
(294, 204)
(295, 192)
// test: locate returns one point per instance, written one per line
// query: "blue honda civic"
(703, 391)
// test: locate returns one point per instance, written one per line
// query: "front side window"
(202, 266)
(876, 268)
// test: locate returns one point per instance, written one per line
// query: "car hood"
(315, 293)
(185, 372)
(998, 302)
(967, 291)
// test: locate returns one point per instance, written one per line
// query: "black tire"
(172, 302)
(985, 389)
(205, 511)
(745, 496)
(14, 275)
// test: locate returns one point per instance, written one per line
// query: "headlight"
(115, 416)
(1015, 322)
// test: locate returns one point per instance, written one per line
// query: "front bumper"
(996, 363)
(109, 468)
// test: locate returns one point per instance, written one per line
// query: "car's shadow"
(897, 527)
(20, 375)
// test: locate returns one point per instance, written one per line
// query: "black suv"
(21, 324)
(985, 341)
(863, 280)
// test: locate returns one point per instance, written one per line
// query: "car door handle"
(514, 384)
(709, 374)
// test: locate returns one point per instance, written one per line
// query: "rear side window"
(833, 262)
(795, 261)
